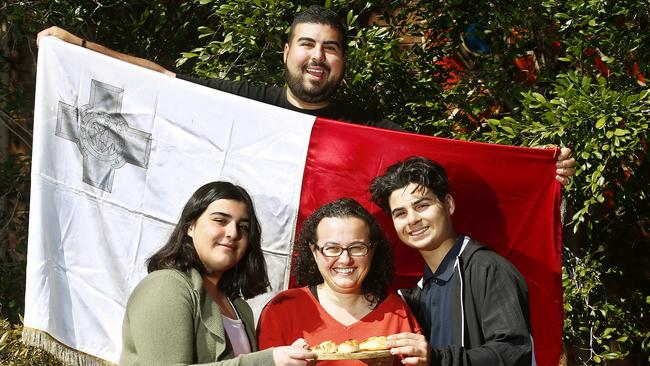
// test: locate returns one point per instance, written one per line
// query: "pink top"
(236, 332)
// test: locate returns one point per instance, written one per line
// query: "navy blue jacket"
(490, 314)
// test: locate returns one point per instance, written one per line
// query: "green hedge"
(537, 72)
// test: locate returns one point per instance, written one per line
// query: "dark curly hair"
(320, 15)
(379, 276)
(248, 277)
(416, 169)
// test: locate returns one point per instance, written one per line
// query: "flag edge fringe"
(43, 340)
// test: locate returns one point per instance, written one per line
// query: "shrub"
(526, 73)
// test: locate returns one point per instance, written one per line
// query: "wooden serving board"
(364, 355)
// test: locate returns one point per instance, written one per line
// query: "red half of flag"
(506, 197)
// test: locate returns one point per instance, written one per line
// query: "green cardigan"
(171, 320)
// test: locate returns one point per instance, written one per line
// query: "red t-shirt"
(295, 313)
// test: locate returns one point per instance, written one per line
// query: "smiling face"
(422, 221)
(345, 273)
(220, 235)
(314, 63)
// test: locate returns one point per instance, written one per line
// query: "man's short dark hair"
(421, 171)
(320, 15)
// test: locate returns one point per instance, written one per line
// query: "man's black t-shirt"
(278, 97)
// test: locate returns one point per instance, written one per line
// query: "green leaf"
(607, 59)
(181, 61)
(540, 98)
(597, 359)
(621, 132)
(204, 29)
(601, 122)
(613, 355)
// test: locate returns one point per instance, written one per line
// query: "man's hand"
(66, 36)
(566, 166)
(413, 346)
(59, 33)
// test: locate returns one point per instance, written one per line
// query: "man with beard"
(314, 59)
(314, 64)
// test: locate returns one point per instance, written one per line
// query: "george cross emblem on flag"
(103, 136)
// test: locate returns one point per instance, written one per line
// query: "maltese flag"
(119, 149)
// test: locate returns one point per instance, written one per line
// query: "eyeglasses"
(355, 250)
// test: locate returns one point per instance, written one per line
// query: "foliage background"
(532, 73)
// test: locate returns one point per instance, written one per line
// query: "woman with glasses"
(345, 264)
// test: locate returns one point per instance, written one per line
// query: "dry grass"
(14, 353)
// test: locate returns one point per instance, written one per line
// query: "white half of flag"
(118, 150)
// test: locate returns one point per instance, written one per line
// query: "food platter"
(370, 348)
(363, 355)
